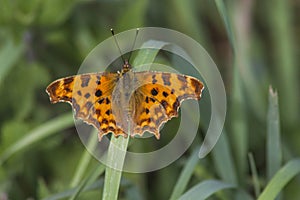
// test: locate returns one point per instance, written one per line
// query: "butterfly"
(127, 101)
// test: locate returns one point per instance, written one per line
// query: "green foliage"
(254, 46)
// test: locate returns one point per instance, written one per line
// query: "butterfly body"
(123, 107)
(125, 102)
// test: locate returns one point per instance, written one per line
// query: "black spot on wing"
(154, 92)
(108, 112)
(85, 79)
(110, 128)
(148, 120)
(98, 112)
(164, 104)
(98, 93)
(196, 86)
(176, 104)
(181, 78)
(68, 80)
(75, 106)
(65, 98)
(104, 130)
(98, 80)
(100, 101)
(152, 99)
(104, 121)
(147, 110)
(112, 121)
(154, 79)
(87, 95)
(166, 78)
(88, 105)
(165, 94)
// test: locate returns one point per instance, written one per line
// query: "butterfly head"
(126, 67)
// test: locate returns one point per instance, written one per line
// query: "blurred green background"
(255, 44)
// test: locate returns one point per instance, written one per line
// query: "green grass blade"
(242, 194)
(280, 179)
(226, 20)
(148, 53)
(205, 189)
(274, 151)
(115, 157)
(9, 55)
(97, 171)
(185, 176)
(285, 58)
(223, 160)
(85, 159)
(189, 21)
(68, 193)
(254, 175)
(239, 127)
(39, 133)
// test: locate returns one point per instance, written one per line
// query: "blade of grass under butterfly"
(280, 179)
(254, 175)
(115, 160)
(85, 159)
(274, 152)
(185, 175)
(118, 146)
(205, 189)
(39, 133)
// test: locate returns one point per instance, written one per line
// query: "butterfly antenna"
(113, 34)
(136, 34)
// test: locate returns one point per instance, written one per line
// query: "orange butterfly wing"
(90, 97)
(159, 98)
